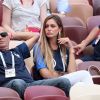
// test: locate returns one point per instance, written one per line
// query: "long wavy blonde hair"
(44, 42)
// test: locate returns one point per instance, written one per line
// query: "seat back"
(7, 92)
(96, 5)
(92, 22)
(35, 91)
(87, 64)
(95, 72)
(10, 98)
(72, 21)
(51, 97)
(82, 11)
(97, 11)
(76, 33)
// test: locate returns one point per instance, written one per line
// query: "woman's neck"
(27, 2)
(53, 44)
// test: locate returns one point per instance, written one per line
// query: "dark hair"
(57, 19)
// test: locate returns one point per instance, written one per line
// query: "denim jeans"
(20, 85)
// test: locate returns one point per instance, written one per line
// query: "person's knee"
(64, 84)
(19, 86)
(86, 73)
(18, 83)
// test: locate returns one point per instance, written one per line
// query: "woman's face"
(51, 29)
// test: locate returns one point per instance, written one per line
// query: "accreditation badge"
(10, 73)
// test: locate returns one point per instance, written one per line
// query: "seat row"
(34, 93)
(76, 29)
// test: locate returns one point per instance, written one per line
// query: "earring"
(59, 33)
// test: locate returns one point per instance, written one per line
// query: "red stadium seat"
(51, 97)
(92, 22)
(75, 33)
(35, 91)
(6, 93)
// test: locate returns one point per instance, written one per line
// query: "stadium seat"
(10, 98)
(92, 22)
(95, 69)
(72, 21)
(96, 5)
(75, 33)
(6, 93)
(82, 11)
(85, 65)
(51, 97)
(35, 91)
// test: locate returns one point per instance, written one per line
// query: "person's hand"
(67, 42)
(79, 48)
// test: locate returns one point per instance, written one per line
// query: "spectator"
(23, 14)
(13, 72)
(93, 35)
(55, 54)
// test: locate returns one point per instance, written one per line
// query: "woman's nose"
(49, 28)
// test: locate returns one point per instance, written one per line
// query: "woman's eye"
(46, 26)
(52, 25)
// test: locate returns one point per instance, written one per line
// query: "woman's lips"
(49, 33)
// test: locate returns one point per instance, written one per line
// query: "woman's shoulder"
(36, 47)
(10, 3)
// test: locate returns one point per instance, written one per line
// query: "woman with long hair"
(54, 55)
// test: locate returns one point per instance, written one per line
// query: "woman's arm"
(43, 12)
(23, 35)
(45, 73)
(6, 19)
(31, 41)
(72, 64)
(92, 35)
(6, 23)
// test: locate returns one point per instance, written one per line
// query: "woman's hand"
(67, 42)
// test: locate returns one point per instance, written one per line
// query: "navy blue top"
(40, 63)
(20, 53)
